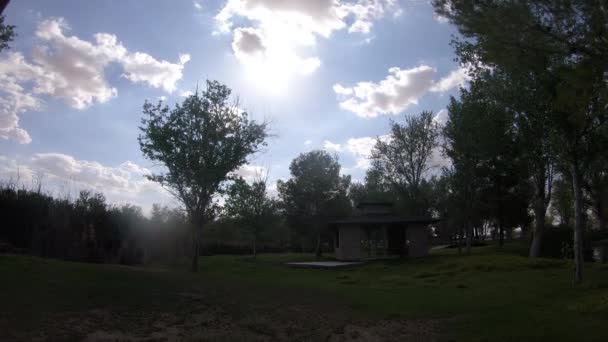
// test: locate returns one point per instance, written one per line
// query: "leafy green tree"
(315, 193)
(524, 98)
(562, 202)
(596, 188)
(374, 188)
(251, 207)
(562, 43)
(199, 143)
(403, 160)
(7, 34)
(462, 144)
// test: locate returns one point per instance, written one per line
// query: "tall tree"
(562, 202)
(315, 192)
(596, 187)
(251, 207)
(404, 159)
(562, 42)
(199, 143)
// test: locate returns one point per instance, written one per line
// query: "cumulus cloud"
(251, 172)
(186, 93)
(455, 78)
(359, 148)
(401, 89)
(362, 148)
(441, 117)
(332, 147)
(121, 184)
(308, 142)
(278, 33)
(15, 99)
(73, 70)
(247, 41)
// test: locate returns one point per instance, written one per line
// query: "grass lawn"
(494, 294)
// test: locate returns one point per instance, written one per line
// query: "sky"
(327, 74)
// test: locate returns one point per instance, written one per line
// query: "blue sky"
(328, 74)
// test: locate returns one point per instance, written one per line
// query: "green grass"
(492, 294)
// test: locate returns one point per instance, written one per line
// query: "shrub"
(558, 243)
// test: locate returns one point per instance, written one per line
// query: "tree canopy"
(199, 143)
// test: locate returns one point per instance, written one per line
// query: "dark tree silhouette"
(199, 143)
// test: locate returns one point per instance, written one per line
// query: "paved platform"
(324, 264)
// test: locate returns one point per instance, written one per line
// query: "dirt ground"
(202, 318)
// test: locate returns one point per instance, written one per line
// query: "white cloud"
(186, 93)
(308, 142)
(401, 89)
(455, 78)
(72, 69)
(143, 68)
(441, 117)
(198, 5)
(359, 148)
(125, 183)
(15, 98)
(251, 172)
(331, 147)
(273, 45)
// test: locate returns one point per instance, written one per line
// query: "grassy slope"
(490, 295)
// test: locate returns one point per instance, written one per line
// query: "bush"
(558, 243)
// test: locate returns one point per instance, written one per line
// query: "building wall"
(349, 243)
(419, 243)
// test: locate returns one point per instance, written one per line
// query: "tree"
(404, 159)
(7, 34)
(373, 189)
(562, 203)
(526, 101)
(315, 192)
(251, 207)
(199, 143)
(489, 176)
(596, 188)
(563, 43)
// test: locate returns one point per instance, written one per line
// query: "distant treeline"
(89, 229)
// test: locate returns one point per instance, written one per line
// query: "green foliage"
(560, 45)
(199, 142)
(87, 229)
(250, 206)
(7, 34)
(489, 176)
(562, 201)
(314, 194)
(403, 159)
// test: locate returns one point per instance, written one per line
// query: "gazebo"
(375, 232)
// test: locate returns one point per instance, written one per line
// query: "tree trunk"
(318, 252)
(469, 238)
(195, 248)
(459, 241)
(255, 251)
(501, 234)
(539, 227)
(578, 224)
